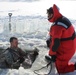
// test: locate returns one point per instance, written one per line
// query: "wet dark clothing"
(13, 58)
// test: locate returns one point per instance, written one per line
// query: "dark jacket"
(12, 58)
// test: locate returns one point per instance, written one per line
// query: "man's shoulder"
(64, 22)
(8, 48)
(6, 51)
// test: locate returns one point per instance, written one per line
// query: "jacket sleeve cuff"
(52, 53)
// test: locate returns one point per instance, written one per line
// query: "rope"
(50, 63)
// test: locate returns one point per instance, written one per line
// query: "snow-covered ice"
(32, 33)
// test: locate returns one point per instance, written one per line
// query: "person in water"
(15, 56)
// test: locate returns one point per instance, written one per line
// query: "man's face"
(49, 15)
(14, 43)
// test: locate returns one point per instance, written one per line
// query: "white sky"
(67, 7)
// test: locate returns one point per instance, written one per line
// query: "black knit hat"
(50, 10)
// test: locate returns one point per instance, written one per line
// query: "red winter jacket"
(63, 30)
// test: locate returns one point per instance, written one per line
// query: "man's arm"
(8, 58)
(56, 44)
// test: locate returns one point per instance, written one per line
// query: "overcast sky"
(37, 7)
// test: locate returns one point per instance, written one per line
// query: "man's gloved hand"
(48, 42)
(50, 58)
(36, 53)
(53, 57)
(21, 59)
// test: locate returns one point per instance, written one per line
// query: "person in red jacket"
(62, 46)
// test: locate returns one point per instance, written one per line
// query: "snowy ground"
(34, 38)
(39, 62)
(34, 31)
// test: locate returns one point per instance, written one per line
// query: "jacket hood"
(56, 14)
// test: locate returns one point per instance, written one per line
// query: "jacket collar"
(56, 14)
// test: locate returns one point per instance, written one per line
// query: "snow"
(32, 32)
(29, 40)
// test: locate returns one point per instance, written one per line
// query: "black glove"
(48, 42)
(21, 59)
(35, 53)
(53, 57)
(50, 58)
